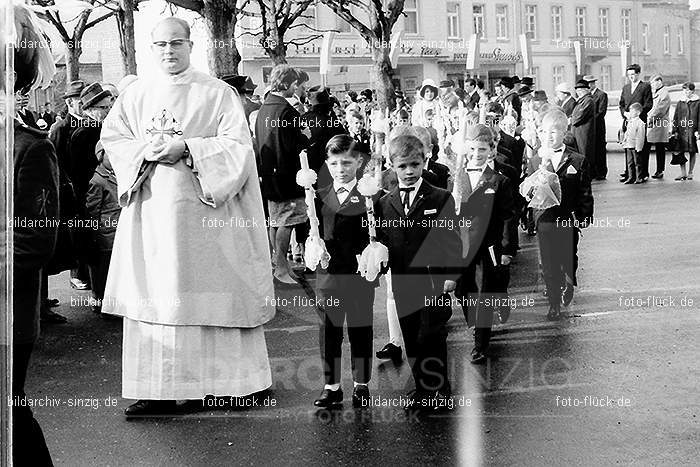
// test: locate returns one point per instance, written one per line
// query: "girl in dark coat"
(34, 231)
(686, 128)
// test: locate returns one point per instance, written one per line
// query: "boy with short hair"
(418, 224)
(558, 227)
(343, 293)
(487, 206)
(633, 140)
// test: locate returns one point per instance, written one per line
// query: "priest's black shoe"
(390, 352)
(329, 398)
(478, 357)
(658, 175)
(567, 294)
(553, 314)
(360, 396)
(144, 408)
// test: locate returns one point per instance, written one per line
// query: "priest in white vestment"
(190, 269)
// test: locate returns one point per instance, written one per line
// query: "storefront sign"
(497, 55)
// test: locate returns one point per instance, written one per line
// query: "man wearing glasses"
(190, 267)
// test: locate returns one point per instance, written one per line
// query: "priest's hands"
(167, 153)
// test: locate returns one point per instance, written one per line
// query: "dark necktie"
(341, 194)
(407, 197)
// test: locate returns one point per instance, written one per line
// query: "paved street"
(631, 339)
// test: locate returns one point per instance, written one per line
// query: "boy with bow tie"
(342, 292)
(486, 207)
(558, 226)
(419, 227)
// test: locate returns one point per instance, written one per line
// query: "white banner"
(325, 57)
(473, 55)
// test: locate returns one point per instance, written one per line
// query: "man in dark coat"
(23, 113)
(48, 115)
(583, 124)
(600, 98)
(61, 135)
(472, 94)
(280, 139)
(323, 125)
(564, 99)
(637, 91)
(509, 97)
(245, 88)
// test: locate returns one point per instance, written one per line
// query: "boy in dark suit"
(342, 292)
(558, 227)
(487, 206)
(418, 224)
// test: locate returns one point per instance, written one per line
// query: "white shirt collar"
(348, 186)
(79, 117)
(557, 155)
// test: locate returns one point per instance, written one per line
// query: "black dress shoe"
(442, 401)
(601, 178)
(389, 352)
(144, 408)
(478, 357)
(629, 181)
(554, 314)
(504, 314)
(51, 317)
(658, 175)
(329, 398)
(567, 294)
(641, 180)
(360, 396)
(51, 303)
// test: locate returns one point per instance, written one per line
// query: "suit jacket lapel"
(485, 176)
(565, 162)
(395, 200)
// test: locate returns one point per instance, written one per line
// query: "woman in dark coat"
(34, 231)
(686, 128)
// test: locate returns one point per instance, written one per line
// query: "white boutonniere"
(354, 199)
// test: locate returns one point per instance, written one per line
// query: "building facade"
(436, 34)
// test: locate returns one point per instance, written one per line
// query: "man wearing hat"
(564, 99)
(528, 81)
(61, 135)
(509, 96)
(600, 99)
(245, 87)
(583, 122)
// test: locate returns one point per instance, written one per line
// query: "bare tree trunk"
(73, 52)
(271, 40)
(222, 54)
(381, 77)
(127, 38)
